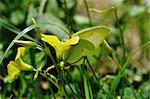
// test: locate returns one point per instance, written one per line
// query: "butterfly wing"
(95, 34)
(83, 48)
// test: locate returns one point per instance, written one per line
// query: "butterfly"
(81, 43)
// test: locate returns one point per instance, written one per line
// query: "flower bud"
(62, 64)
(25, 43)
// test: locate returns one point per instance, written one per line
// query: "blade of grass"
(63, 86)
(13, 29)
(86, 88)
(51, 90)
(85, 83)
(132, 88)
(90, 89)
(74, 83)
(66, 81)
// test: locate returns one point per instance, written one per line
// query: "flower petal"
(20, 52)
(22, 65)
(61, 49)
(51, 39)
(13, 71)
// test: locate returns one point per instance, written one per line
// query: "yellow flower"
(60, 46)
(15, 67)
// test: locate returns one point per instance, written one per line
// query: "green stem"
(69, 86)
(131, 86)
(86, 89)
(78, 92)
(50, 87)
(117, 79)
(141, 95)
(66, 12)
(48, 52)
(63, 85)
(32, 57)
(41, 8)
(85, 82)
(121, 31)
(87, 10)
(53, 82)
(48, 78)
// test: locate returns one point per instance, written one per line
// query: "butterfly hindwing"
(83, 48)
(95, 34)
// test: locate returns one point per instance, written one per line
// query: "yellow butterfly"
(82, 43)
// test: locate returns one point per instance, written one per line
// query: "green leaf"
(13, 29)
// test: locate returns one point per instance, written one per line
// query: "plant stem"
(131, 86)
(32, 57)
(121, 31)
(87, 10)
(69, 86)
(63, 85)
(50, 87)
(41, 8)
(78, 92)
(47, 77)
(66, 12)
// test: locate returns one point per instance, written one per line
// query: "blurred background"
(72, 15)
